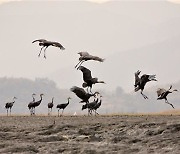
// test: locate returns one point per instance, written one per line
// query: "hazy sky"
(97, 1)
(114, 30)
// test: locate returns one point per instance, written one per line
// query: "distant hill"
(116, 101)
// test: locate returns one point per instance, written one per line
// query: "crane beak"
(79, 68)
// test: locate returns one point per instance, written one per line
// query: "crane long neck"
(97, 100)
(68, 100)
(100, 101)
(33, 98)
(13, 100)
(41, 97)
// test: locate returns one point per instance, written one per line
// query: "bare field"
(90, 135)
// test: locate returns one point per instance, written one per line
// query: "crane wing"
(57, 44)
(90, 57)
(80, 92)
(82, 54)
(39, 40)
(86, 73)
(147, 78)
(160, 91)
(137, 79)
(144, 77)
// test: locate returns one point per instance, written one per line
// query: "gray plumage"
(9, 105)
(140, 82)
(88, 79)
(31, 106)
(45, 44)
(80, 92)
(63, 106)
(93, 106)
(98, 105)
(163, 93)
(50, 106)
(37, 103)
(85, 56)
(90, 106)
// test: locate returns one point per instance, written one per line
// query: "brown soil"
(90, 135)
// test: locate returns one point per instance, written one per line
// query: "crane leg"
(31, 111)
(58, 112)
(48, 112)
(166, 101)
(7, 112)
(45, 52)
(40, 51)
(145, 97)
(62, 112)
(89, 112)
(96, 112)
(79, 63)
(10, 111)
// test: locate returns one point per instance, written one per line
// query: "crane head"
(84, 85)
(96, 93)
(41, 44)
(137, 73)
(84, 107)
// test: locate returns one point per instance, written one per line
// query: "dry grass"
(115, 133)
(168, 112)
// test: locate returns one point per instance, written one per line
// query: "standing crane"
(97, 105)
(162, 94)
(63, 106)
(30, 105)
(9, 105)
(50, 106)
(90, 106)
(37, 103)
(45, 44)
